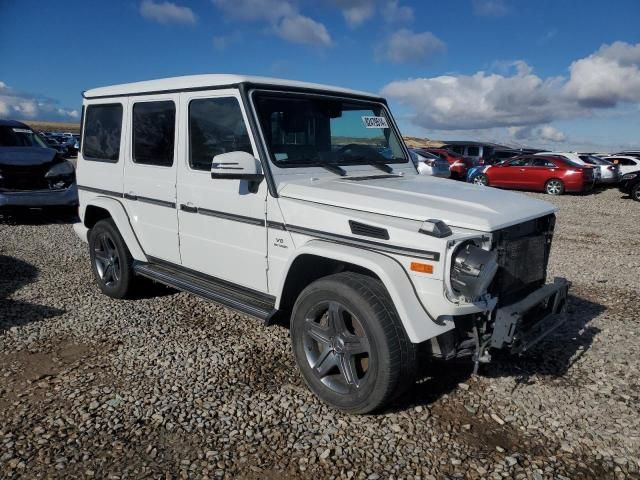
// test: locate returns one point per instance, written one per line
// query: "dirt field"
(170, 386)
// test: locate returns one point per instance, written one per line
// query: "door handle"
(188, 208)
(522, 170)
(130, 196)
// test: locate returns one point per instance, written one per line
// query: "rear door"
(222, 222)
(150, 175)
(540, 171)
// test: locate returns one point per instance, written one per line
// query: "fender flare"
(121, 219)
(416, 320)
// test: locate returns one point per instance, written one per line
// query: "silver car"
(609, 172)
(430, 164)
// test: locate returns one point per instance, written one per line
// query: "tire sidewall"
(377, 376)
(121, 289)
(635, 193)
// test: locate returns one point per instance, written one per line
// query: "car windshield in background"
(593, 160)
(19, 137)
(302, 130)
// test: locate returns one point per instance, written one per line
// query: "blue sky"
(560, 74)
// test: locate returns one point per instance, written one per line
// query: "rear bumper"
(41, 198)
(521, 325)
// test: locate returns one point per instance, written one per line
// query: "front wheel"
(554, 187)
(111, 261)
(349, 343)
(635, 193)
(481, 179)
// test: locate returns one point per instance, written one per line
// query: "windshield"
(593, 160)
(301, 130)
(19, 137)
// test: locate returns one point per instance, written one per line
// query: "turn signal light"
(421, 267)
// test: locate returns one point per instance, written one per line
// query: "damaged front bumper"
(519, 326)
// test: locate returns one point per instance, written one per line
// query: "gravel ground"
(172, 386)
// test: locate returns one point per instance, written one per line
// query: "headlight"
(473, 270)
(626, 176)
(60, 169)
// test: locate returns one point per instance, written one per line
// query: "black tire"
(364, 319)
(635, 193)
(554, 187)
(111, 261)
(481, 179)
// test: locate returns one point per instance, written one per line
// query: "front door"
(222, 222)
(150, 175)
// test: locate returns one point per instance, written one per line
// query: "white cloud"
(406, 46)
(607, 77)
(281, 15)
(166, 12)
(356, 12)
(490, 8)
(19, 105)
(271, 10)
(545, 133)
(222, 42)
(393, 12)
(301, 29)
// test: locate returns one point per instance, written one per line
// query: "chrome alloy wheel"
(107, 260)
(554, 187)
(336, 347)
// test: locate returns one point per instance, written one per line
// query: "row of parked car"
(66, 143)
(529, 169)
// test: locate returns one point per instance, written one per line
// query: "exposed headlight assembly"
(60, 169)
(473, 270)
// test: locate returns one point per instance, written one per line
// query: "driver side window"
(520, 162)
(215, 126)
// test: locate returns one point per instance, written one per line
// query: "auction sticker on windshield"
(375, 122)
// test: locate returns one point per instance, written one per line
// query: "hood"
(420, 197)
(26, 156)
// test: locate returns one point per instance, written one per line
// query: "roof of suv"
(203, 82)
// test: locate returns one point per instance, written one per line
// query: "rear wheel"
(554, 187)
(635, 193)
(481, 179)
(111, 262)
(349, 343)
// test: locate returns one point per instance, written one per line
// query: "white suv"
(299, 202)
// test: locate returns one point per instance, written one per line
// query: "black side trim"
(155, 201)
(225, 215)
(100, 191)
(128, 196)
(245, 300)
(276, 225)
(371, 177)
(365, 230)
(188, 208)
(411, 252)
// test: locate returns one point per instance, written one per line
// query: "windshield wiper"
(374, 163)
(332, 167)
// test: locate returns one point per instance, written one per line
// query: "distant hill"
(54, 126)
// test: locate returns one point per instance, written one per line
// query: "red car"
(458, 165)
(541, 173)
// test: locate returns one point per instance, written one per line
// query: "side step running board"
(233, 296)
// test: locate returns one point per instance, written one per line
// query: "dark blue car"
(31, 173)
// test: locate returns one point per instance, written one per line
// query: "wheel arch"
(319, 258)
(101, 208)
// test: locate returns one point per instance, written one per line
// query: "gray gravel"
(172, 386)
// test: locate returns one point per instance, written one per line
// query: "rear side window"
(154, 128)
(541, 162)
(520, 162)
(215, 126)
(102, 130)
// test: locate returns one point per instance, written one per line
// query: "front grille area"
(24, 178)
(523, 256)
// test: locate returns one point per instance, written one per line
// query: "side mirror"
(236, 166)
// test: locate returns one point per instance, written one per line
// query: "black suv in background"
(31, 173)
(630, 184)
